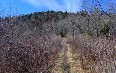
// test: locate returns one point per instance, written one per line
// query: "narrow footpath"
(67, 62)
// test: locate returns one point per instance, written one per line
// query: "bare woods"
(30, 43)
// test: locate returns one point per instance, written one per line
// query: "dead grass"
(34, 55)
(66, 61)
(96, 54)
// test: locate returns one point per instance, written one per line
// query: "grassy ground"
(67, 61)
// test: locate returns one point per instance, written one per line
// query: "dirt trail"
(67, 62)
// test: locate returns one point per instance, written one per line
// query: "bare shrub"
(35, 56)
(96, 54)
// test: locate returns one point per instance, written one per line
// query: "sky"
(30, 6)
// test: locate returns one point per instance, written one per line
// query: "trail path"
(67, 62)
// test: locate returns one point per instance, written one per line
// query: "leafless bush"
(31, 56)
(96, 54)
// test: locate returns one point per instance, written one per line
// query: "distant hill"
(52, 22)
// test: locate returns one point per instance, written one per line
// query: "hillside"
(56, 22)
(58, 42)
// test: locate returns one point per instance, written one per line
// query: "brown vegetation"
(36, 55)
(96, 54)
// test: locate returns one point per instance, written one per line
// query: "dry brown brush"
(33, 55)
(96, 55)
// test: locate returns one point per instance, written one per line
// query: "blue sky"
(30, 6)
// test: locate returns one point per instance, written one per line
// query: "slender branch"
(104, 11)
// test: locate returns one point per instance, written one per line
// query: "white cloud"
(72, 5)
(65, 5)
